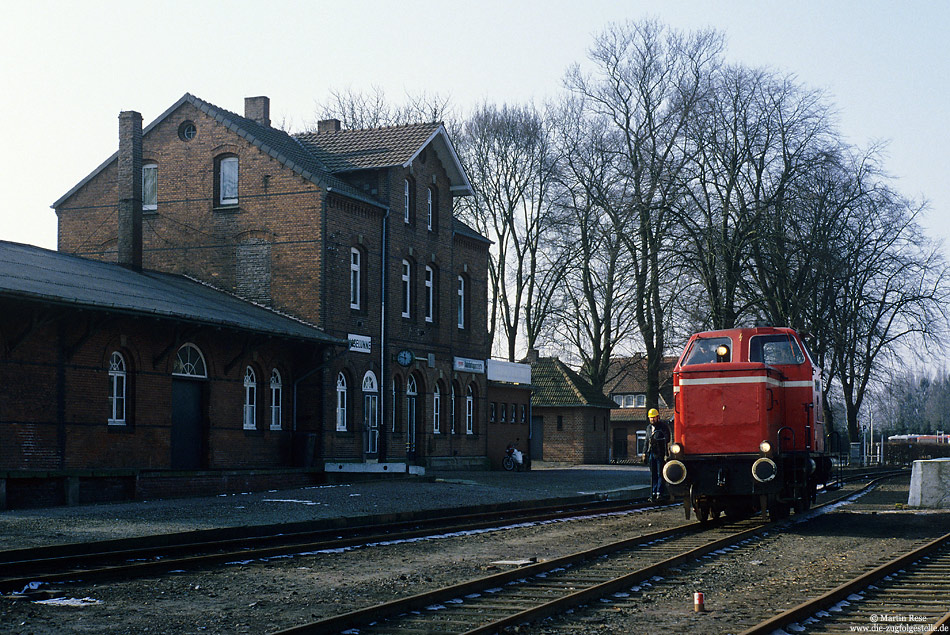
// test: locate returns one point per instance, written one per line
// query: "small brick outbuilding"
(570, 419)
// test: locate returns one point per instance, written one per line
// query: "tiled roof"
(375, 148)
(557, 385)
(346, 150)
(276, 143)
(629, 375)
(36, 274)
(462, 229)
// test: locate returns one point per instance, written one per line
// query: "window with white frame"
(189, 362)
(470, 411)
(250, 399)
(341, 403)
(149, 187)
(461, 302)
(406, 288)
(276, 397)
(407, 201)
(228, 181)
(117, 384)
(397, 404)
(412, 391)
(430, 293)
(355, 263)
(436, 409)
(452, 415)
(371, 412)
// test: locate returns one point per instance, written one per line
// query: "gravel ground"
(747, 585)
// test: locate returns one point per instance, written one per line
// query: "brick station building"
(351, 231)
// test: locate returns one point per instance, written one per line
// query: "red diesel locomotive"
(748, 429)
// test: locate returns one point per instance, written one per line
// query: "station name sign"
(360, 343)
(467, 365)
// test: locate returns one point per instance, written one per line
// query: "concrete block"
(930, 484)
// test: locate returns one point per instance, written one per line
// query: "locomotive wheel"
(703, 513)
(778, 511)
(803, 502)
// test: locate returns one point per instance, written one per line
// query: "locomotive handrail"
(779, 437)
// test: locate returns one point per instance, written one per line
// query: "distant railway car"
(748, 430)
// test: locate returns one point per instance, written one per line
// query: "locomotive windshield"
(703, 351)
(775, 350)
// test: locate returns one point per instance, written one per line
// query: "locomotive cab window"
(775, 350)
(707, 351)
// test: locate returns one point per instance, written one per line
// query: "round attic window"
(187, 130)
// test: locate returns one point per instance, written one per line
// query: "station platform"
(20, 528)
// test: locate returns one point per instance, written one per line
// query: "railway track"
(157, 555)
(910, 594)
(531, 593)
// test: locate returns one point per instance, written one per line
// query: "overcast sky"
(68, 68)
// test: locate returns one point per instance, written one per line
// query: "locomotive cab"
(748, 430)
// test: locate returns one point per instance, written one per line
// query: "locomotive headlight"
(676, 448)
(722, 352)
(764, 470)
(765, 447)
(674, 472)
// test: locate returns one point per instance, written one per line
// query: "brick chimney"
(130, 190)
(329, 125)
(257, 109)
(532, 356)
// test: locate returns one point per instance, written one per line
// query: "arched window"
(406, 288)
(369, 382)
(149, 187)
(117, 383)
(341, 403)
(276, 397)
(396, 405)
(452, 411)
(250, 399)
(227, 180)
(436, 407)
(189, 362)
(430, 293)
(371, 412)
(355, 264)
(470, 411)
(412, 391)
(461, 302)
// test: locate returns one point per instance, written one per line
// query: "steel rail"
(108, 564)
(361, 617)
(811, 607)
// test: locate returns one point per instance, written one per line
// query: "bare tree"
(508, 155)
(894, 293)
(373, 109)
(646, 83)
(597, 303)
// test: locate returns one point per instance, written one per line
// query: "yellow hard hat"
(653, 413)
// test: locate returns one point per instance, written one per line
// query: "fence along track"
(911, 593)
